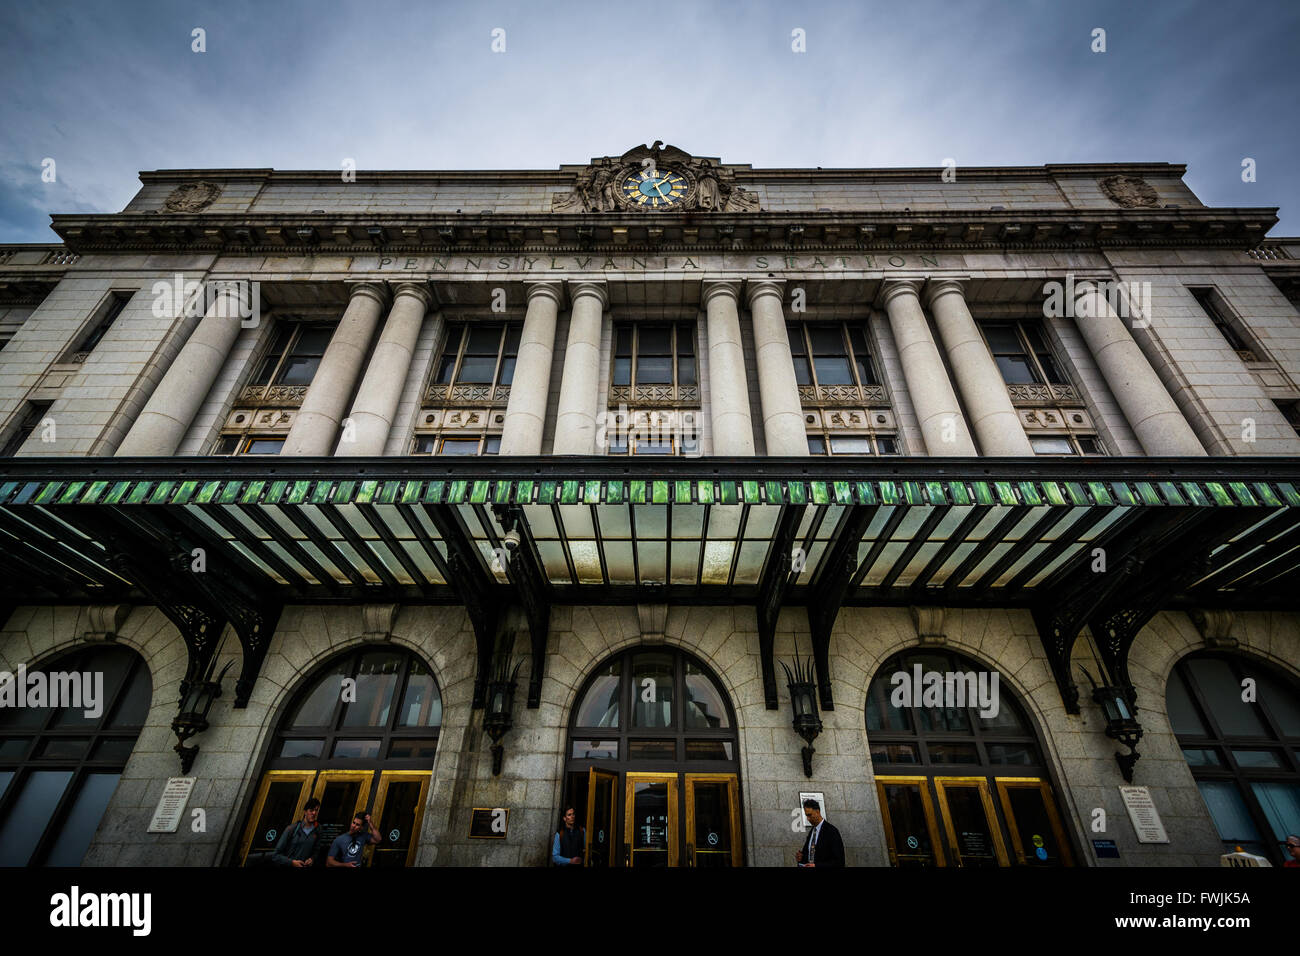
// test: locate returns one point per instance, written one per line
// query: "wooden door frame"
(927, 805)
(733, 802)
(990, 813)
(629, 805)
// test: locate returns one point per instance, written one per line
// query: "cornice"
(547, 233)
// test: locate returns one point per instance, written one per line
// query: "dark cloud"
(108, 90)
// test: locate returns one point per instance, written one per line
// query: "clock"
(655, 188)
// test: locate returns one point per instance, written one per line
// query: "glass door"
(910, 824)
(398, 812)
(341, 793)
(970, 822)
(650, 820)
(602, 814)
(278, 805)
(712, 820)
(1037, 838)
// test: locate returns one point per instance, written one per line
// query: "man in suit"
(822, 846)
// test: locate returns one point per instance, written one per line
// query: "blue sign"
(1105, 848)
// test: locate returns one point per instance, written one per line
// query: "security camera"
(513, 540)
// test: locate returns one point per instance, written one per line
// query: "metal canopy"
(952, 532)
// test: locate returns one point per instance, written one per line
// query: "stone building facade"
(655, 428)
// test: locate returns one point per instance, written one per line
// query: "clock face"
(654, 189)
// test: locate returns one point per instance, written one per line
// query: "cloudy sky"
(106, 90)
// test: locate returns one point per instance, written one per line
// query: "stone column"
(526, 411)
(316, 427)
(575, 421)
(983, 389)
(733, 431)
(942, 425)
(381, 388)
(779, 392)
(1151, 412)
(166, 417)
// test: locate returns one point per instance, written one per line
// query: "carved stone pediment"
(1129, 191)
(697, 184)
(192, 197)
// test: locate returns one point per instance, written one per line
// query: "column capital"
(553, 290)
(375, 290)
(756, 287)
(946, 285)
(720, 286)
(891, 288)
(418, 290)
(596, 288)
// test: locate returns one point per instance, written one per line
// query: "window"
(1205, 298)
(1244, 756)
(294, 355)
(655, 355)
(1067, 445)
(457, 445)
(477, 355)
(28, 424)
(833, 444)
(109, 311)
(960, 782)
(372, 750)
(1021, 354)
(831, 354)
(1291, 412)
(60, 767)
(249, 445)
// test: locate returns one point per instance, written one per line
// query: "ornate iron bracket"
(778, 575)
(524, 567)
(829, 589)
(472, 584)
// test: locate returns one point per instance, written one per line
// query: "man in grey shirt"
(297, 845)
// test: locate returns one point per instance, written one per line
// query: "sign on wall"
(167, 815)
(821, 802)
(1142, 812)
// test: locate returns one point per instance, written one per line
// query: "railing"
(1270, 249)
(654, 395)
(842, 395)
(60, 259)
(467, 394)
(1040, 394)
(273, 396)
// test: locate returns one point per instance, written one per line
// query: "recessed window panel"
(651, 749)
(1012, 753)
(412, 748)
(421, 702)
(1257, 758)
(376, 682)
(348, 748)
(652, 685)
(594, 749)
(1222, 692)
(704, 704)
(294, 749)
(708, 750)
(28, 813)
(894, 753)
(599, 708)
(1202, 757)
(947, 752)
(63, 748)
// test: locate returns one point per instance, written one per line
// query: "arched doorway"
(59, 765)
(359, 735)
(653, 766)
(957, 788)
(1244, 754)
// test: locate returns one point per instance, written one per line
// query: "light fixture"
(197, 698)
(498, 719)
(803, 702)
(1117, 702)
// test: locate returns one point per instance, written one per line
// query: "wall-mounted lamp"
(197, 698)
(498, 718)
(1117, 703)
(803, 701)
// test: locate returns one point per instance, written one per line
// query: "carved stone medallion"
(192, 197)
(1129, 191)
